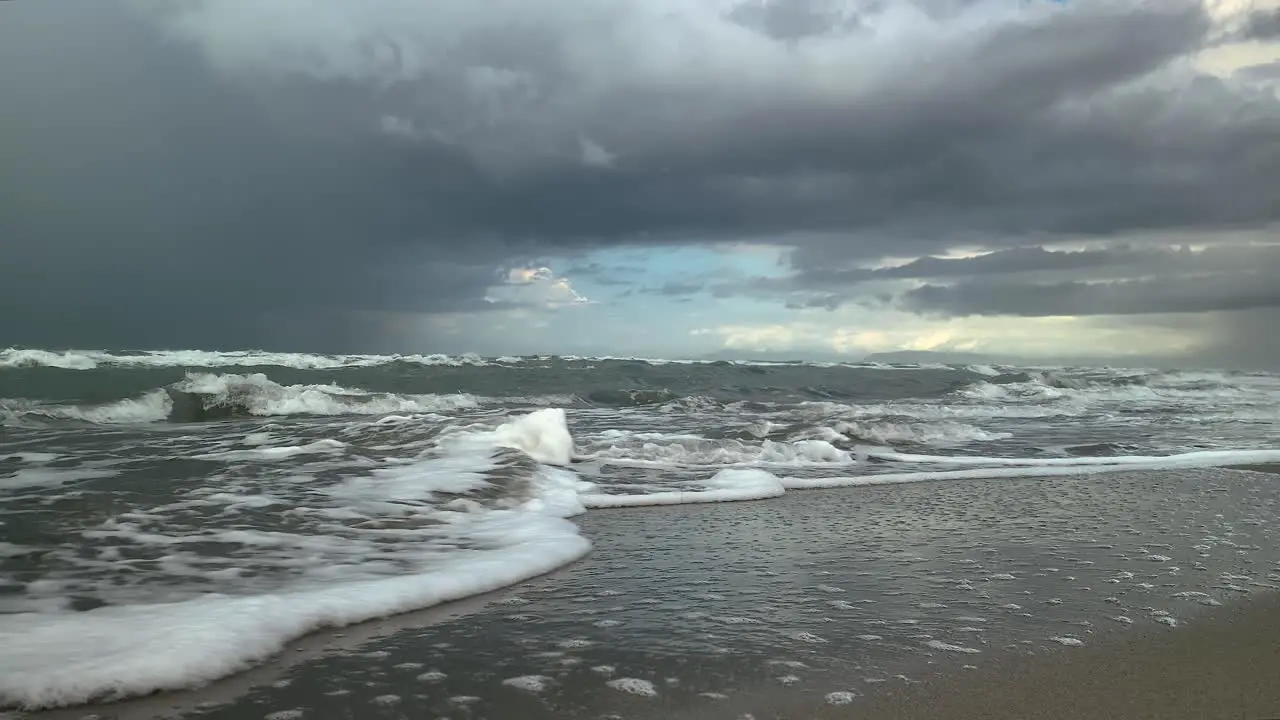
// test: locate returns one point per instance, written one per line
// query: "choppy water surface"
(172, 518)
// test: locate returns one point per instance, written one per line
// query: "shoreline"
(1223, 664)
(842, 590)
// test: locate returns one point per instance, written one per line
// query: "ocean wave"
(617, 447)
(916, 433)
(204, 397)
(93, 359)
(630, 398)
(1098, 386)
(83, 359)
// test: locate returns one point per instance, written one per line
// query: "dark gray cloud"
(1242, 291)
(822, 287)
(1261, 25)
(201, 173)
(795, 20)
(1264, 71)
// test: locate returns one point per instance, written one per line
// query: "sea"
(172, 518)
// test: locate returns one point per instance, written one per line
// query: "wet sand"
(1273, 468)
(884, 593)
(1223, 666)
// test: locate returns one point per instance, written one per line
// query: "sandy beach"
(1141, 595)
(1225, 665)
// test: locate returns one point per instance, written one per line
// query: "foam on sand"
(1200, 459)
(729, 485)
(738, 484)
(1035, 467)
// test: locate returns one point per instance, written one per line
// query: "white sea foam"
(62, 659)
(31, 457)
(542, 435)
(729, 485)
(17, 357)
(948, 647)
(652, 449)
(750, 487)
(1199, 459)
(983, 370)
(633, 686)
(529, 683)
(277, 453)
(929, 433)
(259, 395)
(153, 406)
(254, 394)
(48, 477)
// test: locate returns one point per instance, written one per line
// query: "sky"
(1048, 180)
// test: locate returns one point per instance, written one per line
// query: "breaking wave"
(204, 397)
(93, 359)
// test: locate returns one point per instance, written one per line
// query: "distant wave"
(203, 397)
(92, 359)
(207, 397)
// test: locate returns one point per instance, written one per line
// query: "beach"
(1226, 665)
(1138, 594)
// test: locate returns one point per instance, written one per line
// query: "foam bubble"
(634, 686)
(948, 647)
(840, 697)
(529, 683)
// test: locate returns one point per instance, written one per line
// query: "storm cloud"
(1261, 25)
(247, 173)
(1245, 291)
